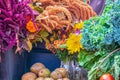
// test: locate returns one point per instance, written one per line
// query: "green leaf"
(41, 36)
(85, 59)
(44, 34)
(92, 73)
(38, 9)
(117, 67)
(39, 39)
(105, 65)
(62, 46)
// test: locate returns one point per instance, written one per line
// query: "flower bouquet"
(15, 18)
(59, 25)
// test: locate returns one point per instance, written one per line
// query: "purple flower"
(13, 21)
(77, 32)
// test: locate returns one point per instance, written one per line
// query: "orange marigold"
(30, 26)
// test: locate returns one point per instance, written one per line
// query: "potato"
(66, 79)
(40, 78)
(44, 72)
(35, 68)
(48, 79)
(63, 71)
(56, 75)
(29, 76)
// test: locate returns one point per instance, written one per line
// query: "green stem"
(108, 56)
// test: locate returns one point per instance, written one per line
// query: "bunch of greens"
(94, 33)
(100, 62)
(114, 21)
(13, 21)
(101, 34)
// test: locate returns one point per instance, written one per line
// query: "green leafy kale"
(101, 34)
(94, 32)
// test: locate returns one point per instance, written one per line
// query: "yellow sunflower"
(73, 43)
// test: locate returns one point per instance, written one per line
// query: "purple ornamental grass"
(13, 21)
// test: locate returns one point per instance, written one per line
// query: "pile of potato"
(40, 72)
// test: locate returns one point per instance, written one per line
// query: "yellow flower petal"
(79, 25)
(73, 43)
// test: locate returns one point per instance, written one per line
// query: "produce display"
(86, 43)
(40, 72)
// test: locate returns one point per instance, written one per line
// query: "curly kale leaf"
(102, 30)
(108, 7)
(114, 22)
(94, 32)
(102, 34)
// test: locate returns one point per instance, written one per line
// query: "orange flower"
(30, 26)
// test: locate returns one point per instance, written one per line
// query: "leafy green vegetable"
(106, 64)
(94, 32)
(87, 59)
(117, 67)
(101, 34)
(108, 7)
